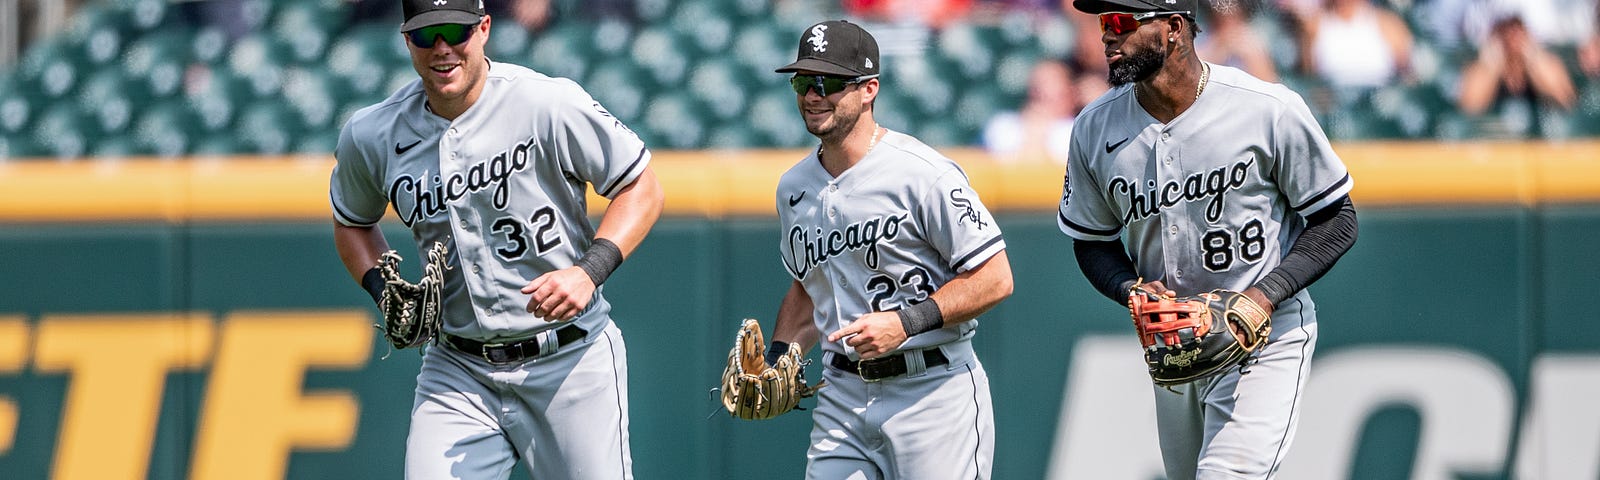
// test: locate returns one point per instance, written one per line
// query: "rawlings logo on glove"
(753, 390)
(1191, 338)
(411, 311)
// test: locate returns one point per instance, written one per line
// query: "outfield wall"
(192, 320)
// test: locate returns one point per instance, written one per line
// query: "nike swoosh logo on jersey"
(1113, 146)
(795, 199)
(399, 149)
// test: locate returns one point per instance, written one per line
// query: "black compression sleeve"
(1329, 233)
(1107, 267)
(372, 281)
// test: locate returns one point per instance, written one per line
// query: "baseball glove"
(1191, 338)
(411, 310)
(753, 390)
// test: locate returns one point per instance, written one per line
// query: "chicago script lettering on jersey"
(418, 198)
(815, 250)
(1213, 184)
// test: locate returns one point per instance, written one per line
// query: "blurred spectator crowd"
(177, 78)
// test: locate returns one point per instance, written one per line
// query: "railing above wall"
(741, 182)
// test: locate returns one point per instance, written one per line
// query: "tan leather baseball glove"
(753, 390)
(411, 311)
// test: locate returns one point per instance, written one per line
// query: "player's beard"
(838, 125)
(1136, 66)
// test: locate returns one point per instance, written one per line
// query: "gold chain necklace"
(870, 143)
(1205, 74)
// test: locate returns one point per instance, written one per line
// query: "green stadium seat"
(266, 127)
(104, 98)
(61, 132)
(562, 51)
(165, 129)
(673, 121)
(719, 85)
(707, 30)
(18, 147)
(621, 87)
(16, 114)
(775, 117)
(509, 42)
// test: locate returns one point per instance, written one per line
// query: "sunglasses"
(825, 84)
(1121, 23)
(452, 34)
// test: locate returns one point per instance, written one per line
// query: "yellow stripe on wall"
(741, 182)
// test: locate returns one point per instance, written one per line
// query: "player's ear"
(483, 25)
(869, 91)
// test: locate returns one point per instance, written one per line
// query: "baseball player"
(893, 256)
(1196, 177)
(493, 160)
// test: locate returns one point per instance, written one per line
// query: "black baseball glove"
(1191, 338)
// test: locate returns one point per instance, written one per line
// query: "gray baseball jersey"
(503, 186)
(1212, 199)
(886, 233)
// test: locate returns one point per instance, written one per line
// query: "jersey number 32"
(542, 222)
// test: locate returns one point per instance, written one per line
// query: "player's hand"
(560, 295)
(1157, 288)
(1255, 295)
(873, 334)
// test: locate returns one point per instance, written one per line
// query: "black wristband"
(921, 318)
(776, 351)
(373, 282)
(602, 258)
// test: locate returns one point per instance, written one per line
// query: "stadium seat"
(562, 51)
(60, 132)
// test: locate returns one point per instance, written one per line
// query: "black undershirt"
(1329, 233)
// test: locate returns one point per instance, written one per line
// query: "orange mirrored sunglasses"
(1121, 23)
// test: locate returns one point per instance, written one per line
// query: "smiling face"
(835, 115)
(452, 75)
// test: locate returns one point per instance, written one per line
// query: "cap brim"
(818, 65)
(1102, 6)
(439, 17)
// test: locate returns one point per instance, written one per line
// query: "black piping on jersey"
(346, 216)
(977, 428)
(963, 261)
(1325, 192)
(1277, 458)
(606, 192)
(622, 412)
(1081, 228)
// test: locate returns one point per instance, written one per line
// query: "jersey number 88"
(1218, 246)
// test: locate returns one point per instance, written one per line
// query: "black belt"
(508, 353)
(886, 367)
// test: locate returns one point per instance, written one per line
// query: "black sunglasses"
(825, 84)
(452, 34)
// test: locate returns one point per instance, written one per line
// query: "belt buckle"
(863, 367)
(502, 358)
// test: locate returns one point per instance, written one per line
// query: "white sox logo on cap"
(817, 42)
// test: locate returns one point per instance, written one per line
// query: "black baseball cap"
(427, 13)
(836, 47)
(1097, 7)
